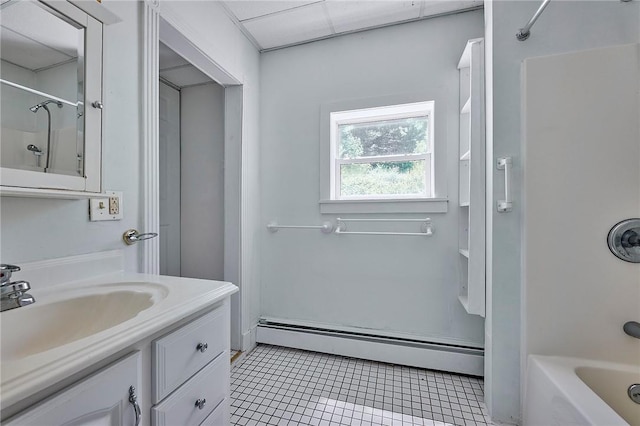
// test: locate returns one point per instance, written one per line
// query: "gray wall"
(36, 229)
(396, 284)
(202, 181)
(564, 27)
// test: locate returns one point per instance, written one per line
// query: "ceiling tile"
(360, 14)
(292, 26)
(253, 9)
(41, 26)
(27, 54)
(436, 7)
(187, 75)
(168, 58)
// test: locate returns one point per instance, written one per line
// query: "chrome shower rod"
(39, 93)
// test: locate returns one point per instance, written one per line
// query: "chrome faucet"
(13, 294)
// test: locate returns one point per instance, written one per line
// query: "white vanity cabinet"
(180, 376)
(191, 373)
(101, 399)
(84, 343)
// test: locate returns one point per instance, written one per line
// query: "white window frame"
(378, 114)
(443, 139)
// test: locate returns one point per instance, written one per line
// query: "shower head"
(33, 148)
(35, 108)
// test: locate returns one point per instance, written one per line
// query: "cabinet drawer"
(219, 417)
(180, 407)
(177, 356)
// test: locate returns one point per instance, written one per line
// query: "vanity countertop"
(75, 325)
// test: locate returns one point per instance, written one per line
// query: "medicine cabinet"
(472, 179)
(51, 94)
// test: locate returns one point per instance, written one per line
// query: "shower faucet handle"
(5, 272)
(632, 329)
(97, 104)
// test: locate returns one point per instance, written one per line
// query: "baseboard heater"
(402, 351)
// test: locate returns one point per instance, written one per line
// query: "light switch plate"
(107, 207)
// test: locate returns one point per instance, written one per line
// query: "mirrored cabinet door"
(51, 96)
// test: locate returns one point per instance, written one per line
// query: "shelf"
(471, 180)
(465, 59)
(467, 107)
(464, 299)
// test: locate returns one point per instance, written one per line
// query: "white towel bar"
(426, 228)
(428, 233)
(426, 219)
(326, 227)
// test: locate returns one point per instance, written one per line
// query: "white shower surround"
(582, 176)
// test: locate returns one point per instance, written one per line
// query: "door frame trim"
(160, 24)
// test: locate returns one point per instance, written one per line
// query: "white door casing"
(179, 36)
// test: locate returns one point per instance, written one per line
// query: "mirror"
(42, 72)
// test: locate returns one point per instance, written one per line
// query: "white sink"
(77, 324)
(43, 326)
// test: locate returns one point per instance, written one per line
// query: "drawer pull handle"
(133, 399)
(201, 403)
(202, 347)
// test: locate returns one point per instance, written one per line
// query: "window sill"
(428, 205)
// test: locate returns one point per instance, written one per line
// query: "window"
(382, 153)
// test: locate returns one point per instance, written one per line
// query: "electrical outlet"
(108, 207)
(114, 205)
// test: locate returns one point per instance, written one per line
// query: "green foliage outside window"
(364, 179)
(391, 137)
(383, 138)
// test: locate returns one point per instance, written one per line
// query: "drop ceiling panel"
(355, 15)
(21, 51)
(168, 58)
(444, 6)
(291, 26)
(251, 9)
(273, 24)
(186, 75)
(42, 27)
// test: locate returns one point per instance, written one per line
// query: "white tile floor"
(281, 386)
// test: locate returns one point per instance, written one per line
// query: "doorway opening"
(191, 154)
(199, 164)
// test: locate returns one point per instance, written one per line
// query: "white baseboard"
(434, 357)
(443, 340)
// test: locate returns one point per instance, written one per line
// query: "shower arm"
(525, 31)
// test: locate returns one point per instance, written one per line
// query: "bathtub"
(571, 391)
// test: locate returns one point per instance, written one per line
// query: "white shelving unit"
(472, 178)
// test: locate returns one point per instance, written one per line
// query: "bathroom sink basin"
(86, 314)
(46, 325)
